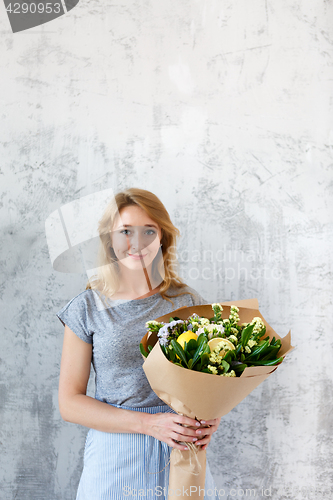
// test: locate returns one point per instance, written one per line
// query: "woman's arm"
(75, 406)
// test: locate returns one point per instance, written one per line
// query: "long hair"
(107, 279)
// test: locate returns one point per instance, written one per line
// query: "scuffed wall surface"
(224, 110)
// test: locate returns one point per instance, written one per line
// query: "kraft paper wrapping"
(202, 395)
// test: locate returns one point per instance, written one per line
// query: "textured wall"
(224, 110)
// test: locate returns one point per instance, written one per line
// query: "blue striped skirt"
(118, 466)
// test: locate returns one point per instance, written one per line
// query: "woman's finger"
(184, 431)
(216, 421)
(205, 431)
(182, 420)
(180, 437)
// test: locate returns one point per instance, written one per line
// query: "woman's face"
(135, 238)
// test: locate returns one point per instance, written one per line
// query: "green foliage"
(246, 334)
(143, 351)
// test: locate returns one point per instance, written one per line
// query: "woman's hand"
(205, 434)
(170, 428)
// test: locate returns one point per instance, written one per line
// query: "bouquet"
(202, 366)
(216, 345)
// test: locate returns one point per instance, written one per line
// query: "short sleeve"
(75, 316)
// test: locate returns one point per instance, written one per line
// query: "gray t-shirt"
(115, 334)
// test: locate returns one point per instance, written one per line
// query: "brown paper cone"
(185, 479)
(203, 395)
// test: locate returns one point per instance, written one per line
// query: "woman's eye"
(126, 232)
(150, 232)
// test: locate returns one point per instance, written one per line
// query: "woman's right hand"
(170, 428)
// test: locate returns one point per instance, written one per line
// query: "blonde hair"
(107, 280)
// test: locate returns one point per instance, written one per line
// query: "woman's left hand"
(205, 433)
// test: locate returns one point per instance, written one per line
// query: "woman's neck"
(136, 285)
(134, 294)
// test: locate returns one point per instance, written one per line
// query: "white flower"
(258, 325)
(204, 321)
(251, 343)
(217, 307)
(233, 320)
(222, 346)
(194, 318)
(175, 322)
(230, 374)
(247, 349)
(163, 332)
(233, 338)
(213, 357)
(256, 320)
(214, 328)
(212, 369)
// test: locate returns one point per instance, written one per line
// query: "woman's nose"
(136, 243)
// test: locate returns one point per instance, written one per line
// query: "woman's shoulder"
(85, 301)
(77, 314)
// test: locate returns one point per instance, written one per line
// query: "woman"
(131, 430)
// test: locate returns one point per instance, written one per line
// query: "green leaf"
(258, 351)
(179, 351)
(202, 336)
(225, 365)
(164, 350)
(229, 356)
(192, 345)
(171, 355)
(270, 362)
(142, 350)
(204, 361)
(246, 334)
(239, 368)
(200, 351)
(206, 349)
(270, 353)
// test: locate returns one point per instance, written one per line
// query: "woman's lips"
(137, 257)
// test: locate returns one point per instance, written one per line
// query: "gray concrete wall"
(224, 110)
